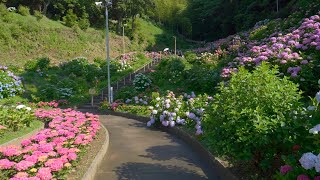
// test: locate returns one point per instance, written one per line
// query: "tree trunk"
(132, 21)
(45, 7)
(119, 25)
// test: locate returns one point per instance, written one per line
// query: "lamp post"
(277, 6)
(100, 4)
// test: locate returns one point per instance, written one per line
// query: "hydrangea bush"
(16, 118)
(141, 82)
(10, 84)
(254, 111)
(170, 110)
(53, 151)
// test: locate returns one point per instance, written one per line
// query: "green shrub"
(38, 15)
(84, 22)
(256, 116)
(15, 118)
(23, 10)
(70, 19)
(3, 9)
(39, 64)
(125, 93)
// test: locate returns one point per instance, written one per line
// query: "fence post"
(111, 92)
(124, 81)
(130, 76)
(102, 94)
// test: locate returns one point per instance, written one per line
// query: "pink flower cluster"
(283, 50)
(53, 103)
(53, 149)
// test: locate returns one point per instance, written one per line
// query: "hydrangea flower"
(308, 160)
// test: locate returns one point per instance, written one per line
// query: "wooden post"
(124, 81)
(130, 76)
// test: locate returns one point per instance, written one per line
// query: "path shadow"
(145, 171)
(167, 152)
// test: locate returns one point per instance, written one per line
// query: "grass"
(10, 135)
(24, 37)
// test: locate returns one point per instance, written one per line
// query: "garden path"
(140, 153)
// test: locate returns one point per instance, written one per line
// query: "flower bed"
(295, 53)
(53, 151)
(10, 84)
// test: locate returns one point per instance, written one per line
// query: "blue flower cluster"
(10, 84)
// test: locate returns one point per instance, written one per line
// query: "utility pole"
(123, 42)
(175, 45)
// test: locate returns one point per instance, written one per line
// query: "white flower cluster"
(12, 9)
(309, 161)
(315, 129)
(166, 111)
(21, 106)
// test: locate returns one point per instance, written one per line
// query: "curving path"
(139, 153)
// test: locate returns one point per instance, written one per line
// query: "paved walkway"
(140, 153)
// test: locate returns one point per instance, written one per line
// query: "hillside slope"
(24, 37)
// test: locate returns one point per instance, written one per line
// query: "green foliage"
(39, 64)
(23, 10)
(125, 92)
(3, 9)
(84, 23)
(203, 77)
(70, 19)
(16, 118)
(255, 116)
(38, 15)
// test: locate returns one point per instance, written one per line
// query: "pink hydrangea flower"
(6, 164)
(44, 174)
(303, 177)
(284, 169)
(24, 165)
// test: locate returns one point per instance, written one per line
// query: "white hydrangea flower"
(308, 160)
(21, 106)
(154, 112)
(172, 123)
(318, 96)
(158, 99)
(28, 108)
(311, 108)
(315, 129)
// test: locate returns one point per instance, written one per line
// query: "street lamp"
(100, 4)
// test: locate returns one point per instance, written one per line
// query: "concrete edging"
(23, 137)
(206, 156)
(91, 171)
